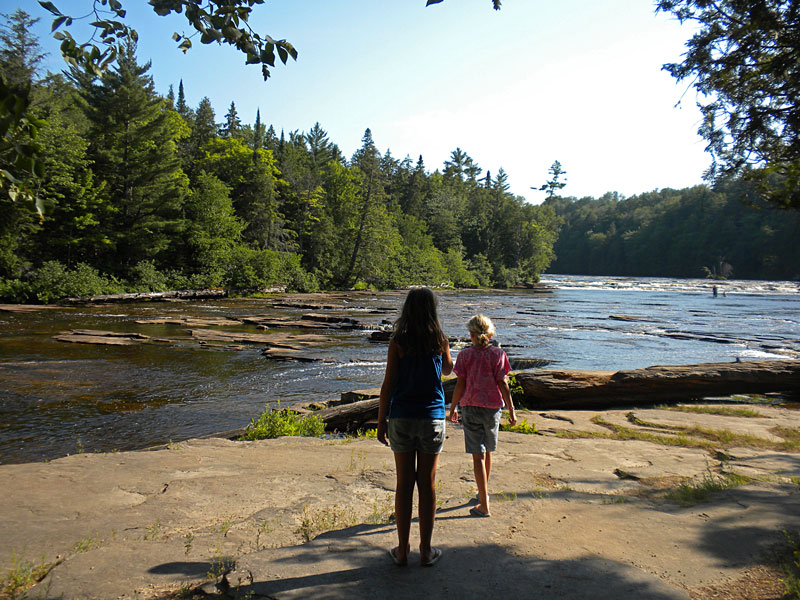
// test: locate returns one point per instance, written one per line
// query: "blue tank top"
(418, 392)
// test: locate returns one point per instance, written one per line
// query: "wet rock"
(26, 308)
(522, 364)
(382, 335)
(107, 338)
(190, 321)
(316, 317)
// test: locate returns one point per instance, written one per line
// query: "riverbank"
(599, 505)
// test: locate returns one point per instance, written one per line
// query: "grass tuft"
(315, 522)
(696, 491)
(792, 567)
(23, 575)
(728, 411)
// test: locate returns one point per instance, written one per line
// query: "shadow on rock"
(341, 566)
(189, 569)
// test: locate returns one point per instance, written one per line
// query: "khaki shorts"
(481, 426)
(421, 435)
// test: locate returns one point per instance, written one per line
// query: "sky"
(578, 81)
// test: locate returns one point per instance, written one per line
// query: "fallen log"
(349, 417)
(553, 389)
(602, 389)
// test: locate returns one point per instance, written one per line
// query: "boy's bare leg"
(426, 487)
(405, 464)
(479, 464)
(488, 467)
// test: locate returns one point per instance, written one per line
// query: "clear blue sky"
(574, 81)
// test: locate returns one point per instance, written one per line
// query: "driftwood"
(602, 389)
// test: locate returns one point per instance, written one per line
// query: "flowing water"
(59, 398)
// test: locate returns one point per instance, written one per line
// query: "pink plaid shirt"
(483, 369)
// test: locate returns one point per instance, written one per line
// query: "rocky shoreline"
(599, 504)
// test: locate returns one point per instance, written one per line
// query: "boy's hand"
(512, 418)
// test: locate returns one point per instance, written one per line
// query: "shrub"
(146, 278)
(275, 423)
(522, 426)
(53, 281)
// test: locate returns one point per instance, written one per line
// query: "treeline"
(694, 232)
(144, 193)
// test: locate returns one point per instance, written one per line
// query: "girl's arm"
(460, 385)
(447, 361)
(389, 380)
(506, 393)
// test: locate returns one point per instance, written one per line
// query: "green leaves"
(743, 61)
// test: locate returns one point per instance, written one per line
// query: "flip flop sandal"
(478, 513)
(436, 554)
(395, 559)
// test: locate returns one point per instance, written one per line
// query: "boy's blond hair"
(483, 327)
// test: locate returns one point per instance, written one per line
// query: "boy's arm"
(506, 393)
(457, 393)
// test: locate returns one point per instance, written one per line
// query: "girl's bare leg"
(479, 466)
(426, 487)
(405, 464)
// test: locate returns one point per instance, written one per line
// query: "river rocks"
(26, 308)
(150, 296)
(190, 321)
(552, 388)
(108, 338)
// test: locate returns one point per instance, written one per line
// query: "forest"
(724, 232)
(142, 192)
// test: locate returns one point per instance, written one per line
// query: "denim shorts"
(422, 435)
(481, 426)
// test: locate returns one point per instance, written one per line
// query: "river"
(59, 398)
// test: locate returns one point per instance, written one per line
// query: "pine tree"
(232, 128)
(20, 52)
(258, 132)
(181, 106)
(134, 153)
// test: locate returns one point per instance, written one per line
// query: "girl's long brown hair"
(418, 331)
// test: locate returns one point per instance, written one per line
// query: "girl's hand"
(454, 415)
(382, 433)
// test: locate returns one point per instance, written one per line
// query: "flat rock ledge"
(576, 513)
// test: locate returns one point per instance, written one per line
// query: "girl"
(482, 389)
(412, 399)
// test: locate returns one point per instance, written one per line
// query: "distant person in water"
(481, 391)
(412, 414)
